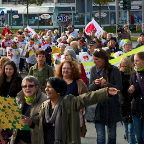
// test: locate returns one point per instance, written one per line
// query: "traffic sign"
(2, 12)
(12, 12)
(61, 18)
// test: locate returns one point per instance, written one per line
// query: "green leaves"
(37, 2)
(103, 2)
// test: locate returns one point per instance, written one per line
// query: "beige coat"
(39, 99)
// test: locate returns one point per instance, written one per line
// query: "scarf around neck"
(140, 69)
(30, 99)
(56, 119)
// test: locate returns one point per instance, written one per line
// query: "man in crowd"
(141, 40)
(91, 36)
(6, 30)
(72, 32)
(112, 46)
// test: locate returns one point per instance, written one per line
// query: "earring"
(59, 93)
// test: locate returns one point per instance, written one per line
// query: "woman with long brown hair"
(10, 85)
(10, 80)
(107, 113)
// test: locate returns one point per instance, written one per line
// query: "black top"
(25, 135)
(125, 98)
(72, 88)
(7, 89)
(13, 92)
(49, 129)
(137, 105)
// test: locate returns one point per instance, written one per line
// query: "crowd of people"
(56, 97)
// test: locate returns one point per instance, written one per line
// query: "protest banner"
(115, 61)
(30, 30)
(10, 114)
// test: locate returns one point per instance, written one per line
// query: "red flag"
(91, 27)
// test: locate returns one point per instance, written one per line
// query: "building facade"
(50, 13)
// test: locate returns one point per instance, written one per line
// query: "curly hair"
(75, 74)
(3, 77)
(3, 60)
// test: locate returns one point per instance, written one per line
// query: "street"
(91, 134)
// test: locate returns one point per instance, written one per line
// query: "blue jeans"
(129, 132)
(111, 132)
(139, 129)
(21, 64)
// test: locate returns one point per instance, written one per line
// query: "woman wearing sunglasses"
(10, 85)
(29, 100)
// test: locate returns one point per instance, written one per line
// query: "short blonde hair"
(35, 35)
(48, 38)
(70, 39)
(64, 37)
(63, 34)
(138, 40)
(56, 31)
(75, 43)
(62, 45)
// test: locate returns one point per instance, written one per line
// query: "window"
(45, 22)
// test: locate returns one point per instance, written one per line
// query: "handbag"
(26, 53)
(138, 79)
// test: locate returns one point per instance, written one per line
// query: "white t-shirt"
(13, 54)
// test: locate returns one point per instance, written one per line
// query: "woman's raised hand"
(113, 91)
(27, 121)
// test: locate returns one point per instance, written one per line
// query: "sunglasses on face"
(30, 86)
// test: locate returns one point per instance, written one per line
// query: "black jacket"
(125, 98)
(5, 89)
(137, 107)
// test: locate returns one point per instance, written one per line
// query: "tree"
(100, 4)
(28, 3)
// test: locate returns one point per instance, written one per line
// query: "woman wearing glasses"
(29, 100)
(69, 71)
(10, 85)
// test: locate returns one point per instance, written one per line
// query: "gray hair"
(61, 44)
(31, 79)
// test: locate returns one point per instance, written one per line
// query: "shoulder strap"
(9, 89)
(138, 79)
(48, 71)
(32, 70)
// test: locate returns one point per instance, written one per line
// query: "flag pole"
(1, 138)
